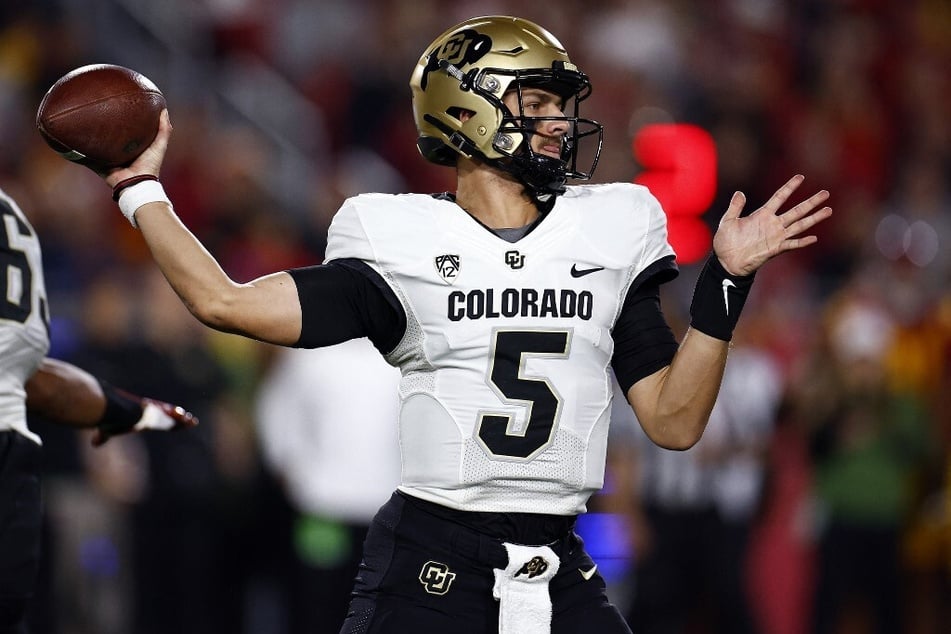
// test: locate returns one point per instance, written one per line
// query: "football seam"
(68, 149)
(101, 99)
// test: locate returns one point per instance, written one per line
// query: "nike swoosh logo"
(587, 574)
(726, 297)
(576, 272)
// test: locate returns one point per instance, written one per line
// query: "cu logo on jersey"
(447, 266)
(534, 567)
(514, 259)
(436, 577)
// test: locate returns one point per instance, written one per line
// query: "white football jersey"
(24, 316)
(505, 387)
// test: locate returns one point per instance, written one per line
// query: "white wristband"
(140, 194)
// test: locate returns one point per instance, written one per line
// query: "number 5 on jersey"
(502, 434)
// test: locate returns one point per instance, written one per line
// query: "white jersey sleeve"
(24, 317)
(505, 389)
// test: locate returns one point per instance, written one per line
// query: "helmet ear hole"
(460, 114)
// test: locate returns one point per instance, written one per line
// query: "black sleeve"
(346, 299)
(643, 341)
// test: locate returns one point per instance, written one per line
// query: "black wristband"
(123, 410)
(718, 300)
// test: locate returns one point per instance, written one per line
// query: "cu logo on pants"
(436, 577)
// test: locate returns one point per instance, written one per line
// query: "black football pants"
(20, 528)
(424, 574)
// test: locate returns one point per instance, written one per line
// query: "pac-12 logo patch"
(447, 266)
(436, 577)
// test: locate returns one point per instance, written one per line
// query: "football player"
(505, 304)
(60, 392)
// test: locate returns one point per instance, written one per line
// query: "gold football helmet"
(470, 67)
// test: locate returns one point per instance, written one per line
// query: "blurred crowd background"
(818, 501)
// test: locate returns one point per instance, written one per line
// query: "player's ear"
(462, 114)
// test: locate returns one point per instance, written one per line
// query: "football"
(101, 115)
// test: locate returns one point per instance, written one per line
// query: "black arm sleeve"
(643, 341)
(346, 299)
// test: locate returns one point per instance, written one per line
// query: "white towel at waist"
(522, 589)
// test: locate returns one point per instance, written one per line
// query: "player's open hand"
(156, 415)
(150, 161)
(743, 244)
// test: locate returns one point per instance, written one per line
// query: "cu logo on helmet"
(436, 577)
(465, 47)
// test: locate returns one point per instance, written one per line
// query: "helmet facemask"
(544, 176)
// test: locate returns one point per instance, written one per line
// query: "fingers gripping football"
(149, 162)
